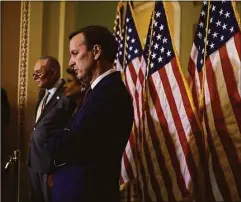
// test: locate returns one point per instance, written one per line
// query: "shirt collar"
(99, 78)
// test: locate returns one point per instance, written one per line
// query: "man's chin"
(80, 76)
(39, 85)
(85, 78)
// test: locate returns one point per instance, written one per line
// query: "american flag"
(163, 153)
(129, 62)
(130, 54)
(173, 134)
(118, 33)
(216, 82)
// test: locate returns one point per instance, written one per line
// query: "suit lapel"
(54, 99)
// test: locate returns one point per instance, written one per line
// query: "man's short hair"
(51, 62)
(98, 35)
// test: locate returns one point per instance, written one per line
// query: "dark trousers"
(39, 191)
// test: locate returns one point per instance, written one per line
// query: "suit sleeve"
(68, 144)
(63, 112)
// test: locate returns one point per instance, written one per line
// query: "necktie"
(86, 94)
(42, 105)
(45, 101)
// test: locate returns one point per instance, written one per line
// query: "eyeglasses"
(40, 73)
(37, 73)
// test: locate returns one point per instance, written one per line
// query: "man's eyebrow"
(82, 43)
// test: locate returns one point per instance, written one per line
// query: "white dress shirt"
(99, 78)
(53, 90)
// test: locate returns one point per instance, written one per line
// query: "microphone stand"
(15, 159)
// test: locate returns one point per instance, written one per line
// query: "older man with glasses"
(53, 112)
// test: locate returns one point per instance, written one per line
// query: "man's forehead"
(40, 64)
(77, 40)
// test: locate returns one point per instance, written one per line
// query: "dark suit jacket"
(55, 116)
(95, 143)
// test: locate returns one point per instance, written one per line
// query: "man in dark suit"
(53, 111)
(89, 152)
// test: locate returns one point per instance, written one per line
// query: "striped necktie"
(42, 105)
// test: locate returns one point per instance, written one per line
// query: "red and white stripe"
(134, 79)
(171, 123)
(168, 161)
(222, 120)
(133, 84)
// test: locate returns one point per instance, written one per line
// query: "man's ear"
(97, 51)
(53, 73)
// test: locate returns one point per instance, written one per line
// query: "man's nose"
(71, 62)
